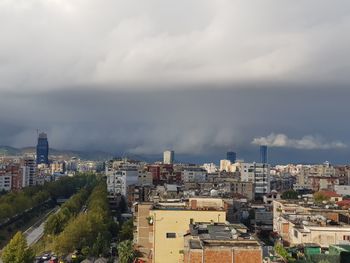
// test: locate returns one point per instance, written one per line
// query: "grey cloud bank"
(54, 43)
(204, 123)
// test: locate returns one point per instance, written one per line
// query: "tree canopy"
(17, 250)
(126, 252)
(14, 203)
(89, 230)
(290, 194)
(319, 197)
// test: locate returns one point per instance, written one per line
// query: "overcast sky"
(200, 77)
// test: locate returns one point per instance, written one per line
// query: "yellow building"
(168, 223)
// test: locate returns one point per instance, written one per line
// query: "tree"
(17, 250)
(290, 194)
(83, 229)
(126, 252)
(126, 231)
(320, 197)
(100, 246)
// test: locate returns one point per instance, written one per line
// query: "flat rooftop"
(220, 234)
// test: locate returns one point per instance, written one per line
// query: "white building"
(210, 168)
(168, 157)
(342, 189)
(5, 182)
(257, 173)
(194, 174)
(225, 165)
(119, 180)
(145, 178)
(29, 172)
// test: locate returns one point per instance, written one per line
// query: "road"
(36, 231)
(34, 235)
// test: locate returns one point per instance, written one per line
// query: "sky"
(200, 77)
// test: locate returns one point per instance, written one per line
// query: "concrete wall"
(177, 221)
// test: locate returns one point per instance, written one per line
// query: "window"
(295, 233)
(346, 237)
(170, 235)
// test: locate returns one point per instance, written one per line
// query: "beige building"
(298, 224)
(160, 228)
(219, 242)
(299, 229)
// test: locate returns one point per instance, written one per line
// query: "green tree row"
(89, 231)
(57, 222)
(14, 203)
(17, 251)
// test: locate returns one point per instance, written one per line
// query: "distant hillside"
(84, 155)
(7, 150)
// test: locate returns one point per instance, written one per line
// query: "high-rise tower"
(231, 156)
(263, 154)
(42, 149)
(168, 157)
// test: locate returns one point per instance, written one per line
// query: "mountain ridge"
(84, 155)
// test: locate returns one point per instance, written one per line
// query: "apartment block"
(298, 223)
(220, 242)
(161, 227)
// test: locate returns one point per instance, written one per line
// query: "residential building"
(257, 173)
(269, 197)
(342, 189)
(220, 242)
(300, 229)
(210, 168)
(161, 173)
(225, 165)
(160, 228)
(28, 171)
(145, 178)
(5, 182)
(302, 221)
(244, 189)
(119, 180)
(168, 157)
(194, 174)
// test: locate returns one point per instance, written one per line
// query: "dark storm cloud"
(202, 122)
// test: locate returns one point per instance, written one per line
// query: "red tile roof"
(330, 193)
(344, 203)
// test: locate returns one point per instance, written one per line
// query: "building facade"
(160, 228)
(168, 157)
(42, 149)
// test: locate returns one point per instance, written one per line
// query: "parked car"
(53, 259)
(46, 256)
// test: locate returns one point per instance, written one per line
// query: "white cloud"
(308, 142)
(153, 43)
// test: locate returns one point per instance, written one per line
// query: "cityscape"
(188, 131)
(168, 211)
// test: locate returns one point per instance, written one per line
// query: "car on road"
(39, 260)
(53, 259)
(46, 256)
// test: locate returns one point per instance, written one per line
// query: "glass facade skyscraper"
(42, 149)
(231, 156)
(263, 154)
